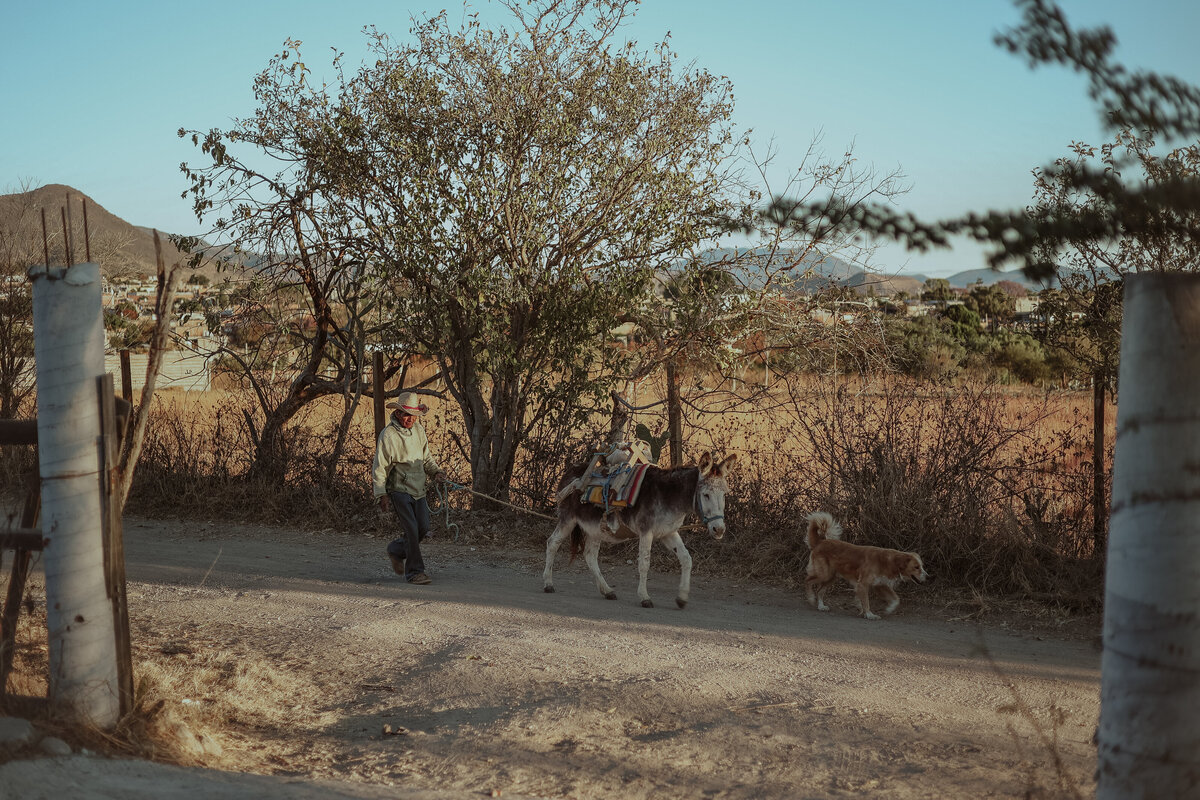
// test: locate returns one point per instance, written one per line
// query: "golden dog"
(862, 566)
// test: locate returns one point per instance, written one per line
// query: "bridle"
(699, 511)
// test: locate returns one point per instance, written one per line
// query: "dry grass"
(195, 703)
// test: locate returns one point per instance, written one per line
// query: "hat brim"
(416, 411)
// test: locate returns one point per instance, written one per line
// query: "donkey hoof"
(679, 601)
(610, 595)
(647, 604)
(548, 589)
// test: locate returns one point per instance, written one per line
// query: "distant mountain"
(885, 285)
(963, 280)
(806, 270)
(814, 271)
(120, 247)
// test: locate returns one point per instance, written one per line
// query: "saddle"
(613, 479)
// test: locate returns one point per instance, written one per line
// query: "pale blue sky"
(93, 92)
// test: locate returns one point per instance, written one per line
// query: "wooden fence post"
(111, 433)
(126, 377)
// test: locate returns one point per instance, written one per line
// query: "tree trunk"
(621, 415)
(69, 351)
(1149, 743)
(379, 391)
(674, 415)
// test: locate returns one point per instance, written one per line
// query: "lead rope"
(443, 494)
(443, 490)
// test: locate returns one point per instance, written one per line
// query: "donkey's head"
(710, 492)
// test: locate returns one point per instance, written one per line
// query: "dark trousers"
(414, 527)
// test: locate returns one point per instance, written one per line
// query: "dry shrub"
(196, 461)
(949, 474)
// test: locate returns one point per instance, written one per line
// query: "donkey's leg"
(590, 552)
(645, 542)
(552, 544)
(674, 542)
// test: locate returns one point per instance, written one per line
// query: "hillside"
(120, 247)
(885, 285)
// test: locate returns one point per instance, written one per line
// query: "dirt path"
(491, 686)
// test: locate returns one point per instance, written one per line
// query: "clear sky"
(93, 93)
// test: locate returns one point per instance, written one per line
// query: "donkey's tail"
(577, 541)
(822, 526)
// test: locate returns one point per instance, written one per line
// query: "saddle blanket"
(618, 490)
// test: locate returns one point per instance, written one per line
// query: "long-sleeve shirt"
(403, 460)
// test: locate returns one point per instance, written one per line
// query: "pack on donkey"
(620, 496)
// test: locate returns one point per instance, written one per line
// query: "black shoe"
(421, 579)
(397, 564)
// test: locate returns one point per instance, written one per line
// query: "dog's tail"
(822, 526)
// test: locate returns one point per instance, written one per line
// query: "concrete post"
(69, 353)
(1149, 742)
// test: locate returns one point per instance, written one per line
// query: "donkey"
(666, 498)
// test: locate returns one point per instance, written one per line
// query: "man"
(402, 463)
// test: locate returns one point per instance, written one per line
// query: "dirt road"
(483, 684)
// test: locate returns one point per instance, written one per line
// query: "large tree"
(517, 190)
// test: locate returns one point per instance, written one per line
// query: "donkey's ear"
(726, 465)
(706, 463)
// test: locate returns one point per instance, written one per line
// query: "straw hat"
(407, 403)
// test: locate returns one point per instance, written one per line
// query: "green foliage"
(927, 348)
(127, 334)
(188, 305)
(1022, 355)
(967, 326)
(937, 290)
(941, 348)
(1083, 315)
(992, 303)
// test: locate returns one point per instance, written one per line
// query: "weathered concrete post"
(69, 353)
(1149, 741)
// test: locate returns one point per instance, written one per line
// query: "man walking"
(403, 462)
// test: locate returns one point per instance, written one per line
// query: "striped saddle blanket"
(615, 490)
